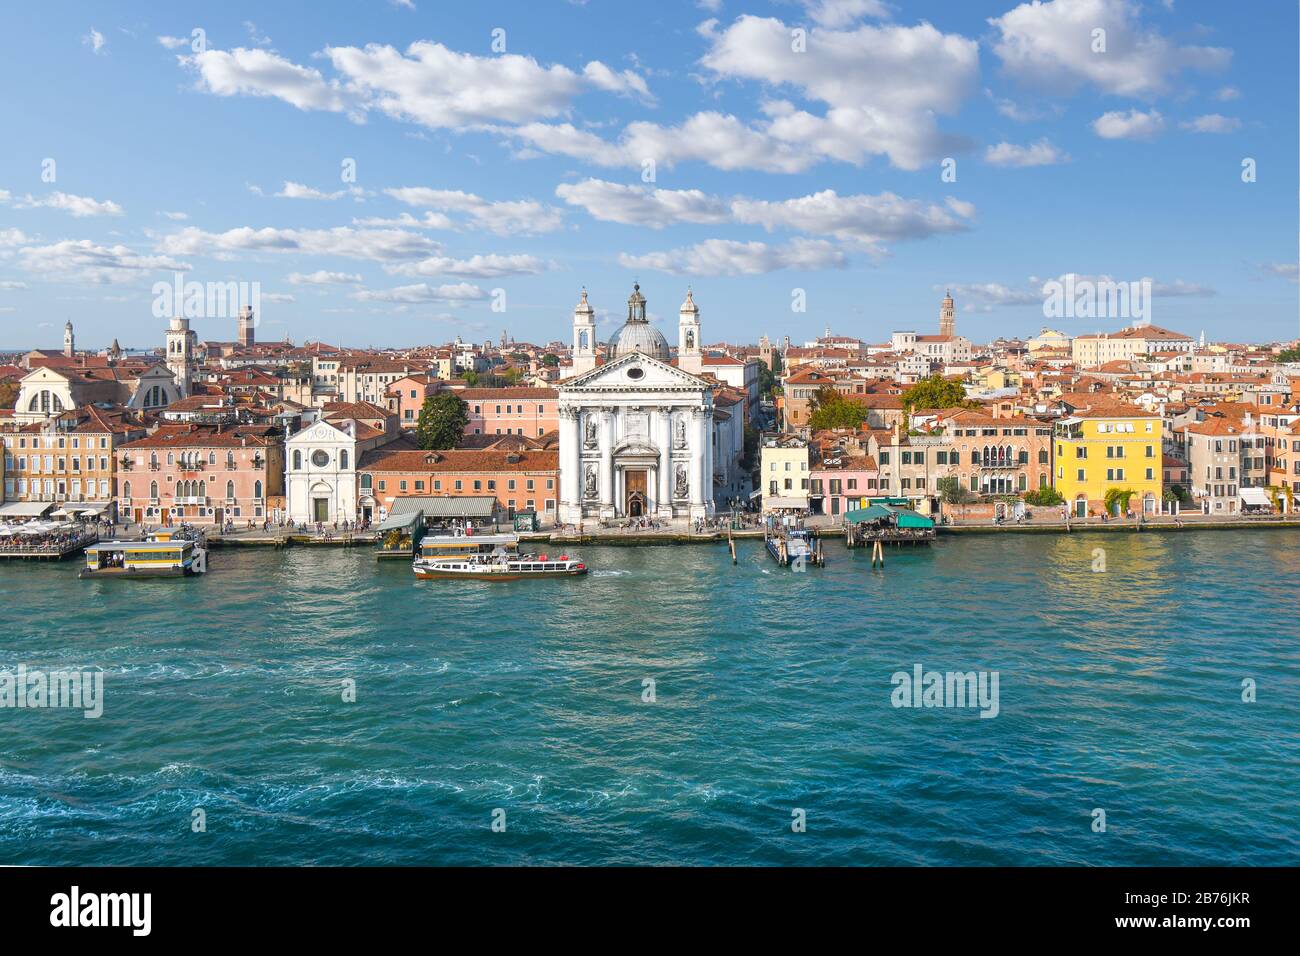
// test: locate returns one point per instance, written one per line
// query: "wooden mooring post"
(731, 540)
(878, 553)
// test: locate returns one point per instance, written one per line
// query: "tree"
(442, 421)
(550, 360)
(1290, 355)
(833, 410)
(767, 383)
(951, 491)
(1044, 496)
(1118, 496)
(936, 392)
(8, 394)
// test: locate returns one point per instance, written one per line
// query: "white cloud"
(883, 85)
(1040, 153)
(431, 220)
(279, 297)
(10, 285)
(993, 294)
(841, 13)
(380, 245)
(1131, 125)
(174, 216)
(174, 43)
(728, 257)
(322, 277)
(261, 73)
(511, 217)
(1212, 123)
(475, 267)
(86, 261)
(78, 206)
(95, 40)
(1227, 94)
(427, 84)
(862, 219)
(1049, 46)
(1283, 270)
(292, 190)
(644, 206)
(422, 292)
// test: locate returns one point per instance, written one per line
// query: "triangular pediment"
(634, 372)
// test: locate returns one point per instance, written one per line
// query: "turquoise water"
(1118, 690)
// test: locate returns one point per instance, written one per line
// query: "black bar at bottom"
(333, 906)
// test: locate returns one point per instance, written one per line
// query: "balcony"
(191, 500)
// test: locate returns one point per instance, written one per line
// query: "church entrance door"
(636, 494)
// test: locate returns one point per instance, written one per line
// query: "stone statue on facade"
(680, 483)
(589, 484)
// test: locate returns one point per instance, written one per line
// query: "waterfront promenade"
(681, 532)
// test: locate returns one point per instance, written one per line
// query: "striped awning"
(25, 509)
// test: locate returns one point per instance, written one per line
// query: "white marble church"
(636, 432)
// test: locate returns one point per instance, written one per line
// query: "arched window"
(297, 460)
(35, 404)
(343, 459)
(153, 490)
(230, 491)
(1024, 482)
(153, 459)
(582, 340)
(257, 490)
(212, 458)
(203, 489)
(126, 490)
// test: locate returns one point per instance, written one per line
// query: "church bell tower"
(180, 353)
(690, 357)
(69, 340)
(947, 316)
(584, 336)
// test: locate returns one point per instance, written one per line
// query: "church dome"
(637, 334)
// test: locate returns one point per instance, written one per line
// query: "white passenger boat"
(161, 555)
(488, 557)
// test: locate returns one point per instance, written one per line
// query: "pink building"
(842, 482)
(405, 397)
(200, 474)
(531, 412)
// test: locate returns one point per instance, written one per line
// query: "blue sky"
(524, 169)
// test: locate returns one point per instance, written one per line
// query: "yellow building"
(784, 467)
(1108, 445)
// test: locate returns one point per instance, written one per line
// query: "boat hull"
(135, 574)
(449, 575)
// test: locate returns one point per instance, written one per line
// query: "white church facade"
(636, 432)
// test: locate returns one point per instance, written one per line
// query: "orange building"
(524, 479)
(531, 412)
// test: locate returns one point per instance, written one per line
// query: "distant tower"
(503, 340)
(690, 358)
(180, 351)
(246, 327)
(947, 316)
(69, 340)
(115, 350)
(584, 336)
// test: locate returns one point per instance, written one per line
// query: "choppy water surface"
(1118, 690)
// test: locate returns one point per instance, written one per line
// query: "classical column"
(664, 438)
(696, 453)
(607, 505)
(709, 458)
(570, 465)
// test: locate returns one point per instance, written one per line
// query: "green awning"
(869, 513)
(399, 521)
(445, 506)
(907, 518)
